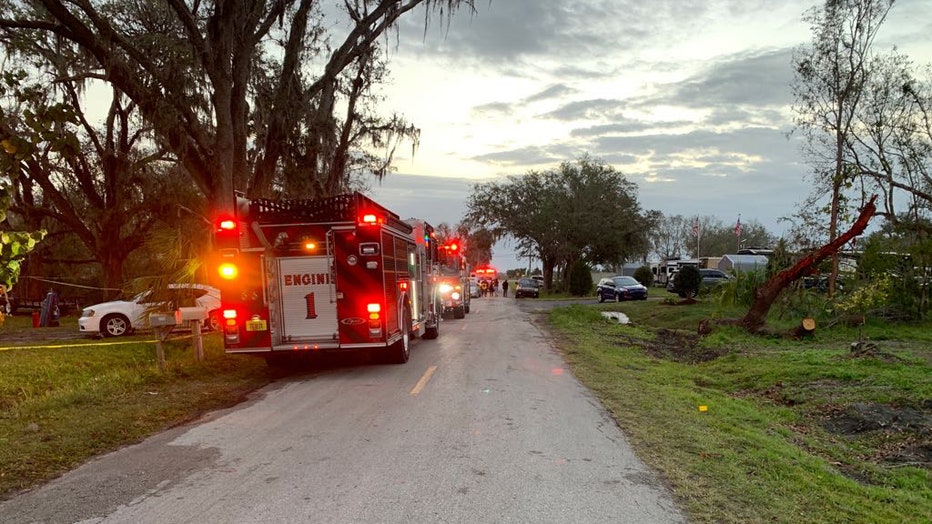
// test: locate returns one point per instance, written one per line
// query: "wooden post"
(160, 334)
(197, 340)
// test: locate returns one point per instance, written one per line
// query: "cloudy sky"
(690, 99)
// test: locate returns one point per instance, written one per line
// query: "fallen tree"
(766, 294)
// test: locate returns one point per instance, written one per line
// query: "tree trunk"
(768, 293)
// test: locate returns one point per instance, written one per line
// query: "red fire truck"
(453, 279)
(339, 273)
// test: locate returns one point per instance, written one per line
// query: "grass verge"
(63, 403)
(752, 429)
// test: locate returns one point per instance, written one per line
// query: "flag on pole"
(738, 226)
(696, 226)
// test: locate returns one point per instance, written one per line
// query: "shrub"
(580, 279)
(686, 282)
(644, 275)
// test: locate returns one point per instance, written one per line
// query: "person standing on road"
(505, 288)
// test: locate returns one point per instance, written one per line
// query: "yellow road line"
(423, 382)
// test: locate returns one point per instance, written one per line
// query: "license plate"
(256, 325)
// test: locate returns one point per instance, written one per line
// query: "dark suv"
(527, 287)
(620, 288)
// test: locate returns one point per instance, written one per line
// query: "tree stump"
(805, 328)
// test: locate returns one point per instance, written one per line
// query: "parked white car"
(122, 317)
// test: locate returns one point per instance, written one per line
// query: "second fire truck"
(340, 273)
(453, 280)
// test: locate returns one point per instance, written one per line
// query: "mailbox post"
(162, 324)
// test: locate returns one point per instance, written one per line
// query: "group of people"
(488, 287)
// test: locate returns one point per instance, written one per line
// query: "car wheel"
(114, 326)
(601, 298)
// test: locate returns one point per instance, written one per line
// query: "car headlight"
(455, 296)
(445, 288)
(87, 313)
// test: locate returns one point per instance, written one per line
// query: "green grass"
(63, 403)
(760, 452)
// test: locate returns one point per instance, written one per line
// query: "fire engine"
(483, 276)
(453, 280)
(338, 273)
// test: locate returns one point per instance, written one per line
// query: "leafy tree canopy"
(581, 210)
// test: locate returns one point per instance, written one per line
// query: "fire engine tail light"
(230, 326)
(375, 319)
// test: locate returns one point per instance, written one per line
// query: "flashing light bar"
(371, 219)
(226, 224)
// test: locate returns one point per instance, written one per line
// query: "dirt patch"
(902, 436)
(678, 346)
(860, 417)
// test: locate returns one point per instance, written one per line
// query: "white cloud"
(689, 98)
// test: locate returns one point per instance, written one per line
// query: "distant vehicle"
(621, 288)
(710, 278)
(451, 296)
(474, 290)
(122, 317)
(527, 287)
(820, 283)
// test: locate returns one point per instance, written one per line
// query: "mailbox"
(164, 319)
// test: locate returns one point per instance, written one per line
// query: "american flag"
(696, 226)
(738, 227)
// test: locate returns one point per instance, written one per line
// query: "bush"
(580, 279)
(686, 282)
(644, 276)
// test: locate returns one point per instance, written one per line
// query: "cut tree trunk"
(805, 328)
(767, 294)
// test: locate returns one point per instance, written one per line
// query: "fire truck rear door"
(308, 296)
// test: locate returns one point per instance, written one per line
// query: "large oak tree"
(247, 95)
(583, 209)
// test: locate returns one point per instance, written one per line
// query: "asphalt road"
(483, 425)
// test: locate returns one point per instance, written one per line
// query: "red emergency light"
(226, 224)
(375, 319)
(371, 219)
(228, 271)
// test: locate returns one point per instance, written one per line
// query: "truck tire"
(459, 312)
(400, 351)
